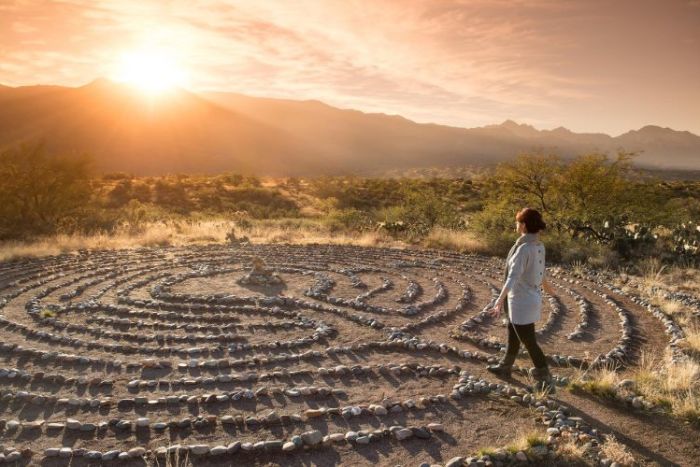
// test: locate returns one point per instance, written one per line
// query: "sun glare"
(153, 71)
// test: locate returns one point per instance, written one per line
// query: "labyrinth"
(289, 355)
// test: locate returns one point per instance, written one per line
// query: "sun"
(152, 70)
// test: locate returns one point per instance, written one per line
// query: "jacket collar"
(526, 238)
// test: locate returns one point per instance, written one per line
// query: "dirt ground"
(330, 306)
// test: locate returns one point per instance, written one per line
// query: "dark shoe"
(543, 380)
(502, 368)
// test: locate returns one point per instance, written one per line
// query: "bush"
(587, 201)
(348, 219)
(40, 192)
(172, 195)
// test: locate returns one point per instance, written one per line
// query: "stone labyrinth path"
(347, 355)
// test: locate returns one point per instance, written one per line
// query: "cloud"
(458, 62)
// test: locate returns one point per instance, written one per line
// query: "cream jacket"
(525, 266)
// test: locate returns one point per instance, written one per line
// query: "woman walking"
(522, 299)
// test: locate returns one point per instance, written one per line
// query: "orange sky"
(592, 65)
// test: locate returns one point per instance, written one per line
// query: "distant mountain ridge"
(214, 132)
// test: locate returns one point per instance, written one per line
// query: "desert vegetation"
(601, 211)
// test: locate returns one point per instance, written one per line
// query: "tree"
(529, 180)
(587, 197)
(39, 191)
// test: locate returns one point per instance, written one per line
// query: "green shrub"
(40, 192)
(348, 219)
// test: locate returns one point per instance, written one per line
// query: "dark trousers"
(526, 334)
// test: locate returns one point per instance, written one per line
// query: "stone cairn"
(259, 274)
(105, 354)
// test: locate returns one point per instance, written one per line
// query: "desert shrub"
(117, 176)
(120, 194)
(172, 195)
(348, 219)
(259, 203)
(39, 192)
(231, 179)
(589, 200)
(91, 218)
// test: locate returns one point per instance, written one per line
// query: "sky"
(589, 65)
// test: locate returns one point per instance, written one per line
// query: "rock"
(73, 424)
(436, 427)
(218, 450)
(273, 445)
(199, 449)
(12, 425)
(336, 437)
(51, 452)
(403, 433)
(88, 427)
(314, 413)
(65, 452)
(110, 455)
(137, 452)
(455, 462)
(296, 439)
(289, 446)
(626, 384)
(520, 456)
(362, 440)
(421, 433)
(312, 438)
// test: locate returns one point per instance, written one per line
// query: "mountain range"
(184, 132)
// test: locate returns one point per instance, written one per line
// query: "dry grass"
(176, 460)
(570, 450)
(600, 382)
(683, 278)
(674, 387)
(179, 233)
(457, 240)
(677, 278)
(692, 337)
(526, 441)
(651, 272)
(153, 234)
(615, 451)
(194, 232)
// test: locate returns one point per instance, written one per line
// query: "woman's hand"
(497, 308)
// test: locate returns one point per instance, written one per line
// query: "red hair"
(532, 219)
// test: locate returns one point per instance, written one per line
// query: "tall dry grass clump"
(617, 452)
(673, 387)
